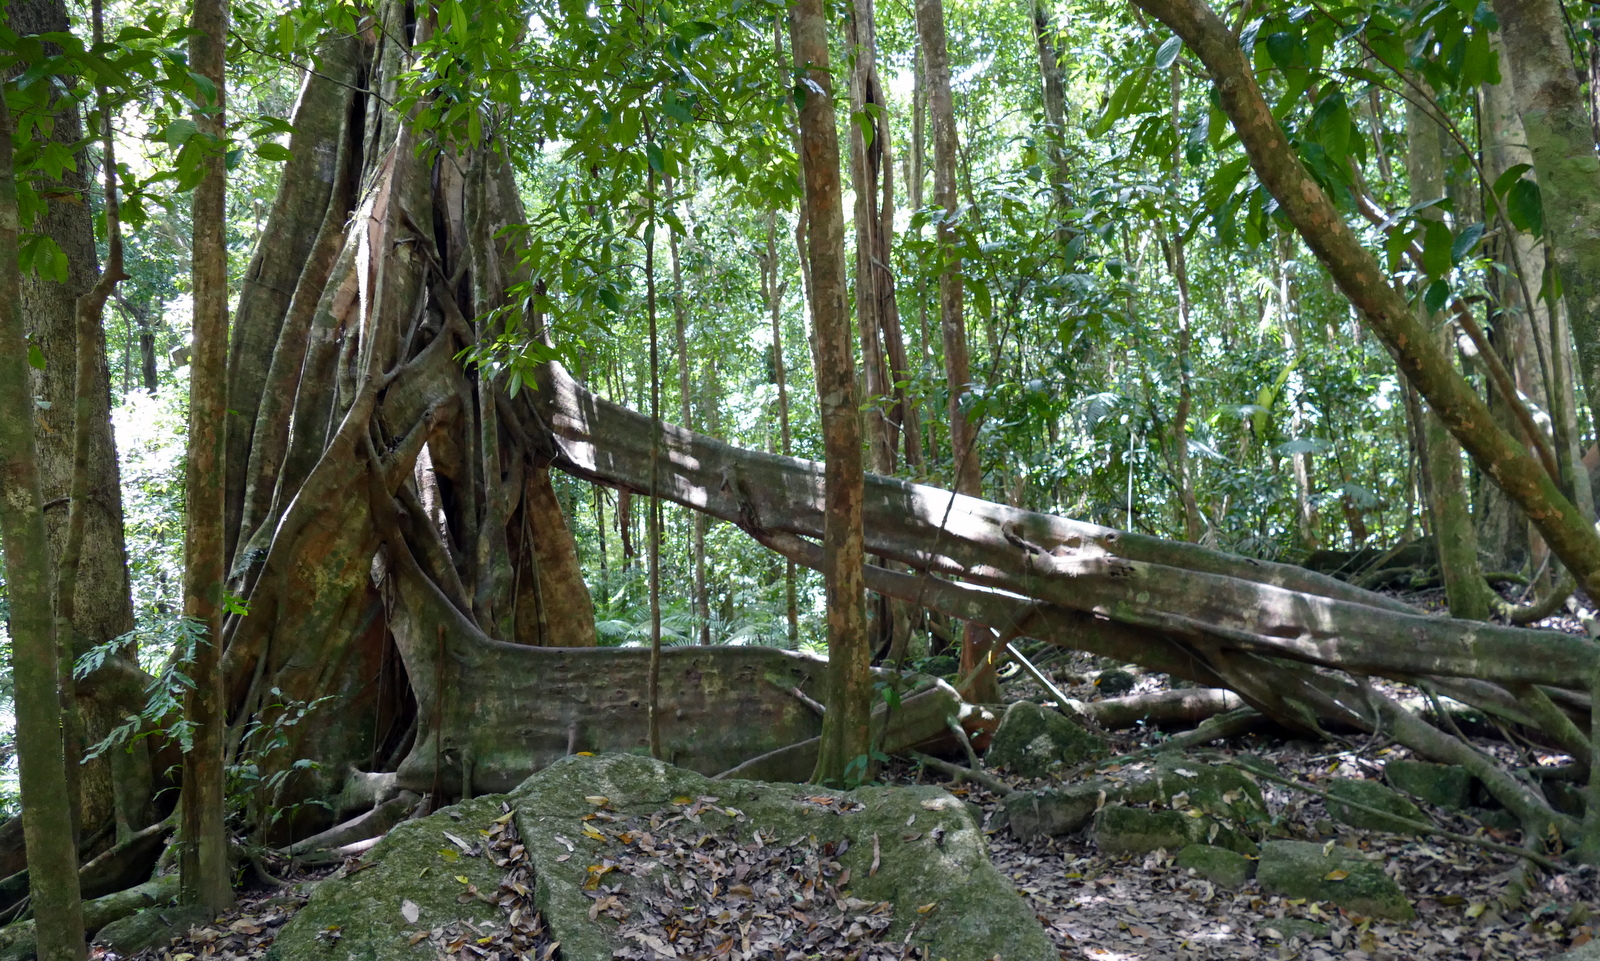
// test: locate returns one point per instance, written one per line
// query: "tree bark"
(46, 807)
(1560, 135)
(1454, 533)
(772, 290)
(100, 608)
(207, 875)
(845, 731)
(1384, 309)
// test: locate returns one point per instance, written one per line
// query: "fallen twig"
(963, 774)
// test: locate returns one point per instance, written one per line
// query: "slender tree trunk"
(1453, 530)
(773, 290)
(1053, 89)
(968, 478)
(1521, 325)
(1561, 137)
(845, 730)
(696, 520)
(46, 805)
(1193, 527)
(653, 546)
(100, 608)
(207, 872)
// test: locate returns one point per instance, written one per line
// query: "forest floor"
(1471, 904)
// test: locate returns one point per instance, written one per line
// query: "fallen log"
(1160, 708)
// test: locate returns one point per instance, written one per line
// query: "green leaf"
(1465, 242)
(1436, 296)
(179, 131)
(1505, 181)
(35, 356)
(1525, 207)
(1437, 242)
(275, 152)
(1167, 54)
(653, 154)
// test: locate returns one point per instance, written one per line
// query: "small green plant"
(256, 780)
(163, 702)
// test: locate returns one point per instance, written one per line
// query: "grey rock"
(1176, 780)
(978, 913)
(1220, 866)
(1443, 785)
(149, 928)
(1300, 869)
(1032, 741)
(1119, 829)
(1373, 795)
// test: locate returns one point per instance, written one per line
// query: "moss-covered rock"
(1033, 741)
(1373, 795)
(1443, 785)
(1180, 781)
(1220, 866)
(931, 864)
(1317, 872)
(926, 845)
(1119, 829)
(151, 927)
(363, 916)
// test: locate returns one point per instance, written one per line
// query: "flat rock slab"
(593, 826)
(1317, 872)
(1373, 795)
(1446, 785)
(416, 879)
(1179, 780)
(620, 850)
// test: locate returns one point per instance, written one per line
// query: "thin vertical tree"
(772, 290)
(845, 727)
(205, 865)
(46, 806)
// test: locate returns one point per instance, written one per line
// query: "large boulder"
(617, 847)
(1185, 781)
(1373, 795)
(1443, 785)
(1033, 741)
(1328, 872)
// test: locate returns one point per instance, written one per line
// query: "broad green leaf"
(273, 151)
(1167, 54)
(1465, 242)
(1437, 242)
(1436, 296)
(1505, 181)
(35, 356)
(1525, 207)
(179, 131)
